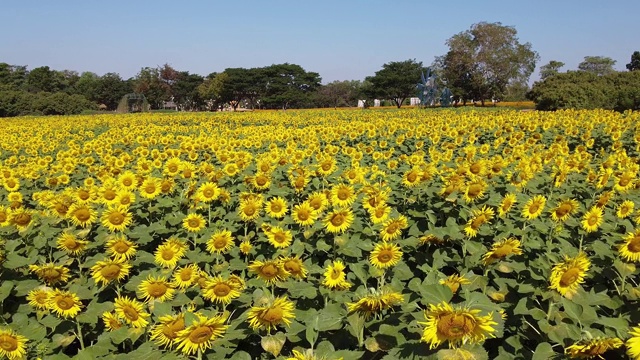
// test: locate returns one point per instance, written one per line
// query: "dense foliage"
(437, 234)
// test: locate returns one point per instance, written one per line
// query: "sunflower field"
(322, 234)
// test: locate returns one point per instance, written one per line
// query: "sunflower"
(338, 221)
(261, 181)
(375, 302)
(245, 247)
(587, 349)
(294, 266)
(279, 237)
(70, 244)
(592, 219)
(231, 169)
(392, 228)
(131, 312)
(456, 326)
(220, 291)
(169, 253)
(119, 247)
(318, 201)
(501, 249)
(249, 209)
(21, 218)
(111, 321)
(109, 270)
(12, 345)
(533, 208)
(150, 188)
(271, 271)
(276, 207)
(454, 282)
(630, 249)
(125, 198)
(166, 331)
(220, 242)
(342, 195)
(564, 209)
(156, 289)
(335, 277)
(411, 178)
(624, 181)
(64, 303)
(379, 214)
(633, 343)
(116, 218)
(107, 193)
(11, 184)
(184, 277)
(127, 180)
(199, 336)
(276, 312)
(567, 275)
(194, 222)
(478, 218)
(304, 214)
(385, 255)
(474, 191)
(431, 239)
(39, 298)
(50, 273)
(208, 192)
(4, 216)
(82, 215)
(625, 209)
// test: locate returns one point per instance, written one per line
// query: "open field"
(324, 234)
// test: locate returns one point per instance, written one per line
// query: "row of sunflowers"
(376, 234)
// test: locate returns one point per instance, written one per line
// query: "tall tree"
(110, 89)
(550, 69)
(339, 93)
(13, 76)
(396, 80)
(483, 60)
(149, 82)
(185, 91)
(288, 85)
(44, 79)
(212, 90)
(599, 65)
(635, 62)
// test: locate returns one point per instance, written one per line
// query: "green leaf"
(435, 294)
(241, 355)
(5, 290)
(574, 311)
(544, 351)
(331, 317)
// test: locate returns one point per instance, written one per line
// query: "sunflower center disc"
(570, 277)
(455, 325)
(8, 343)
(222, 290)
(200, 335)
(116, 218)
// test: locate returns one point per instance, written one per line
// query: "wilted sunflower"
(70, 244)
(454, 282)
(271, 271)
(592, 219)
(335, 277)
(276, 312)
(533, 208)
(82, 215)
(220, 290)
(375, 302)
(166, 331)
(564, 209)
(392, 228)
(276, 207)
(111, 321)
(109, 270)
(625, 209)
(587, 349)
(131, 312)
(12, 345)
(50, 273)
(456, 326)
(630, 248)
(119, 247)
(338, 221)
(156, 289)
(39, 298)
(116, 218)
(294, 266)
(194, 222)
(279, 237)
(64, 303)
(501, 249)
(199, 336)
(385, 255)
(220, 242)
(478, 218)
(169, 253)
(567, 275)
(304, 214)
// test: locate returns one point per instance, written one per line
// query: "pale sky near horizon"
(341, 40)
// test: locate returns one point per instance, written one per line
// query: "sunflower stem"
(551, 304)
(199, 354)
(79, 335)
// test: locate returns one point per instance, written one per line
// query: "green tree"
(212, 90)
(110, 89)
(599, 65)
(339, 93)
(396, 80)
(185, 91)
(635, 62)
(550, 69)
(44, 79)
(12, 76)
(149, 83)
(287, 85)
(484, 60)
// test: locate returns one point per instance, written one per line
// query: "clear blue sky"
(341, 40)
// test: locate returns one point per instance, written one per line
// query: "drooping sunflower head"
(502, 249)
(51, 273)
(271, 271)
(568, 275)
(589, 349)
(165, 332)
(70, 244)
(278, 311)
(444, 323)
(375, 302)
(454, 282)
